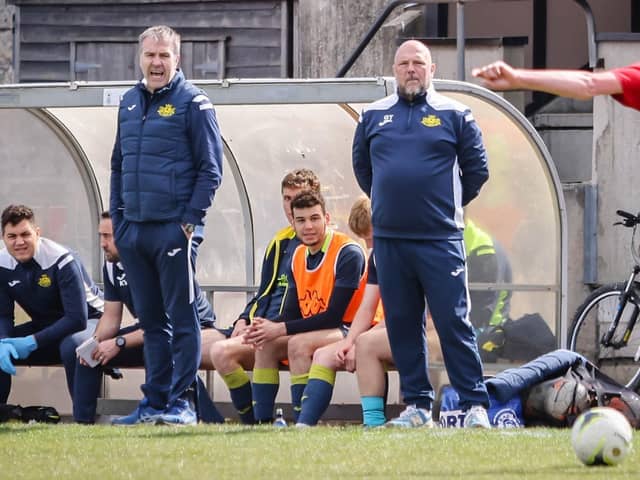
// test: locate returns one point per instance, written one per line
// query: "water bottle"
(279, 420)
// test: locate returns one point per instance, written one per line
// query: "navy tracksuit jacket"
(57, 294)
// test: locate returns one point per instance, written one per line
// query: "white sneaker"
(477, 417)
(412, 417)
(279, 421)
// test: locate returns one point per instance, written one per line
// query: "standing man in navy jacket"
(419, 156)
(53, 289)
(165, 169)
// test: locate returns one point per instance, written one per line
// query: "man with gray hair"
(165, 169)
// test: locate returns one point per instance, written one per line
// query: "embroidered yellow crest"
(44, 281)
(431, 121)
(166, 110)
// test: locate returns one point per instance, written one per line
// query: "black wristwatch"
(189, 227)
(121, 342)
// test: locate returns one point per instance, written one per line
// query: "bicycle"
(603, 326)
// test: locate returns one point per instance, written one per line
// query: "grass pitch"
(103, 452)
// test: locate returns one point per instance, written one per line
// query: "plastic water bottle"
(279, 421)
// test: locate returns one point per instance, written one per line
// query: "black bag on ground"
(527, 338)
(612, 394)
(37, 413)
(10, 412)
(40, 414)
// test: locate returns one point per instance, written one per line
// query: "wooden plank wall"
(252, 33)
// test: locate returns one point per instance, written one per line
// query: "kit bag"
(559, 401)
(501, 414)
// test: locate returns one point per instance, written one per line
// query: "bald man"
(419, 156)
(621, 83)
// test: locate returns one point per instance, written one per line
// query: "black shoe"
(113, 372)
(40, 414)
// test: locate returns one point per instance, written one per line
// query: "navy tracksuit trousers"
(156, 257)
(409, 271)
(63, 352)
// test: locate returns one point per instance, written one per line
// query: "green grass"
(103, 452)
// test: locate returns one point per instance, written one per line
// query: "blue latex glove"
(23, 345)
(6, 352)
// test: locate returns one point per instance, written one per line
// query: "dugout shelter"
(56, 142)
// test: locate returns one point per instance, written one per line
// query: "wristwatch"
(189, 227)
(121, 342)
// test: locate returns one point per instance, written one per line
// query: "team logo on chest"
(166, 110)
(311, 304)
(122, 280)
(430, 121)
(44, 281)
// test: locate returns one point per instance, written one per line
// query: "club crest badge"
(44, 281)
(431, 121)
(166, 110)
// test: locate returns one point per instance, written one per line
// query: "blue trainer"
(477, 417)
(144, 413)
(179, 413)
(280, 422)
(412, 417)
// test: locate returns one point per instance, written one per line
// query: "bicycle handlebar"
(630, 220)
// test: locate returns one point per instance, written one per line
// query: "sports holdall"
(559, 401)
(36, 413)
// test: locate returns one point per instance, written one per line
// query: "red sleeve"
(629, 78)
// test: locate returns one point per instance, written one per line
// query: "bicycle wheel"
(591, 321)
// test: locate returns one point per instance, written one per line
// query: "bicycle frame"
(631, 292)
(612, 350)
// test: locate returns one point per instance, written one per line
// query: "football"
(601, 436)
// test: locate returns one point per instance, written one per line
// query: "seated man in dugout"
(370, 358)
(232, 357)
(340, 355)
(53, 288)
(123, 347)
(329, 275)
